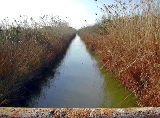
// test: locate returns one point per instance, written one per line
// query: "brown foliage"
(23, 54)
(130, 48)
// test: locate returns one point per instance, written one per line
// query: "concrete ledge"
(145, 112)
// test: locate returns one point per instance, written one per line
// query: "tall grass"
(127, 40)
(26, 46)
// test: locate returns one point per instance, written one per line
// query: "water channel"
(78, 82)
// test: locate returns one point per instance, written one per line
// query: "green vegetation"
(114, 90)
(127, 40)
(25, 47)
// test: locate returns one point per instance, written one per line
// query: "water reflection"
(77, 81)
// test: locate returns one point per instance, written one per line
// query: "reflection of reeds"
(127, 41)
(25, 46)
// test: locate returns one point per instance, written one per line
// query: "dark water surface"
(78, 82)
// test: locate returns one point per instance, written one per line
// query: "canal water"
(78, 82)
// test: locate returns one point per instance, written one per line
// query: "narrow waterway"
(78, 82)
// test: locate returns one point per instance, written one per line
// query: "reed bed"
(127, 42)
(25, 47)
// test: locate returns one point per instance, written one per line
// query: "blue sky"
(76, 11)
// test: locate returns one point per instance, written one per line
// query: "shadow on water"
(33, 87)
